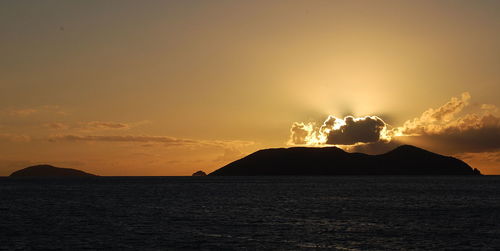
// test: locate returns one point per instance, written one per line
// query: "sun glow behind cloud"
(447, 127)
(336, 131)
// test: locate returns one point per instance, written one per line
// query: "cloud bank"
(447, 126)
(435, 121)
(470, 132)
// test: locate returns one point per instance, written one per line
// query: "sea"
(251, 213)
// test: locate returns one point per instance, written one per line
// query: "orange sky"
(172, 87)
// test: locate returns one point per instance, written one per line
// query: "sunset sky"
(172, 87)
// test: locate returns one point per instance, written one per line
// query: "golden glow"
(152, 89)
(312, 135)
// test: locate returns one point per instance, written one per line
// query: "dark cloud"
(481, 135)
(357, 130)
(336, 131)
(472, 140)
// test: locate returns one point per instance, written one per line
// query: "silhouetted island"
(403, 160)
(49, 171)
(199, 173)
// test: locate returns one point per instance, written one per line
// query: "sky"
(173, 87)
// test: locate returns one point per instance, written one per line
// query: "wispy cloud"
(106, 125)
(93, 126)
(14, 137)
(57, 126)
(28, 111)
(484, 156)
(164, 140)
(230, 154)
(21, 112)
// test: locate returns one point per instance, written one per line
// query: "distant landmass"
(199, 173)
(49, 171)
(403, 160)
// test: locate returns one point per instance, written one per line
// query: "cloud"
(230, 154)
(117, 138)
(489, 162)
(357, 130)
(446, 128)
(434, 120)
(24, 112)
(98, 125)
(57, 126)
(489, 107)
(301, 133)
(165, 140)
(14, 137)
(483, 156)
(471, 132)
(336, 131)
(374, 147)
(93, 126)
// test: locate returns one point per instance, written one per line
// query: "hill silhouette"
(49, 171)
(403, 160)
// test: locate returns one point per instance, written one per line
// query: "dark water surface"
(213, 213)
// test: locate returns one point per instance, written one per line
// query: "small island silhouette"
(199, 173)
(49, 171)
(403, 160)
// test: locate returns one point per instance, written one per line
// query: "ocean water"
(251, 213)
